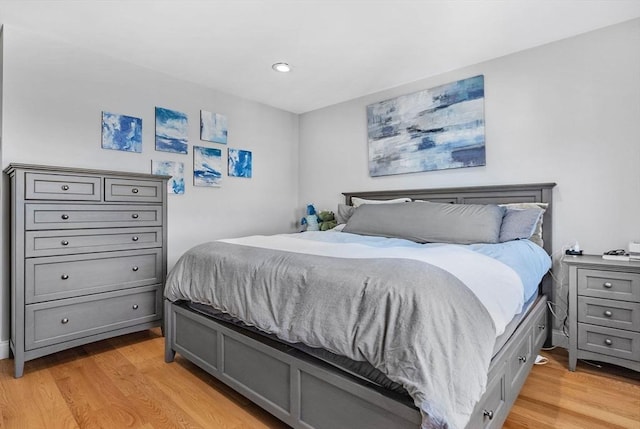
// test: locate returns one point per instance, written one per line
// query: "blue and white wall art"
(213, 127)
(120, 132)
(207, 166)
(434, 129)
(240, 163)
(171, 131)
(175, 185)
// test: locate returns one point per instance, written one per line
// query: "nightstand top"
(599, 261)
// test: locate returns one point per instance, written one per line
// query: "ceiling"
(339, 49)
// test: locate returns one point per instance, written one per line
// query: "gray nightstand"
(604, 311)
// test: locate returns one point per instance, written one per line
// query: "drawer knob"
(64, 276)
(64, 321)
(608, 342)
(135, 268)
(135, 215)
(65, 216)
(608, 285)
(64, 242)
(522, 359)
(65, 187)
(135, 306)
(134, 190)
(488, 413)
(608, 313)
(134, 238)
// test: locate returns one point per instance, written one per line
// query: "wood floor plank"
(124, 383)
(33, 401)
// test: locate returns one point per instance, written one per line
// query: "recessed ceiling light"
(281, 67)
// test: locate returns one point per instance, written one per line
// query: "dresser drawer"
(609, 341)
(50, 243)
(63, 320)
(57, 277)
(609, 284)
(611, 313)
(40, 186)
(128, 190)
(75, 216)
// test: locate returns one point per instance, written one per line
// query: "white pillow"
(357, 202)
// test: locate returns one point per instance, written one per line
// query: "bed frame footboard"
(308, 393)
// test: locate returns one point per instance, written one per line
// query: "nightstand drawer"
(623, 286)
(609, 341)
(76, 216)
(40, 186)
(58, 277)
(50, 243)
(64, 320)
(133, 190)
(611, 313)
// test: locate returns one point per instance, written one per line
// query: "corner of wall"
(4, 223)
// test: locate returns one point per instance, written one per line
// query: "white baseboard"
(4, 349)
(559, 339)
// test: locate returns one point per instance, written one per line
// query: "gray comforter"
(415, 322)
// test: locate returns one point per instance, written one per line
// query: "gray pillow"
(344, 213)
(519, 223)
(537, 234)
(425, 222)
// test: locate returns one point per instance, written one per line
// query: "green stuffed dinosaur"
(326, 220)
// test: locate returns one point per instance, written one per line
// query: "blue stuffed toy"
(311, 219)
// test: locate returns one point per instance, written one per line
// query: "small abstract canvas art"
(240, 163)
(207, 166)
(434, 129)
(213, 127)
(121, 132)
(171, 131)
(175, 185)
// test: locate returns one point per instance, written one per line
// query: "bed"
(307, 387)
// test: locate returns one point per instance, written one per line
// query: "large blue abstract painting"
(240, 163)
(120, 132)
(175, 185)
(434, 129)
(213, 127)
(171, 131)
(207, 166)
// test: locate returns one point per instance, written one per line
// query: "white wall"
(567, 112)
(53, 97)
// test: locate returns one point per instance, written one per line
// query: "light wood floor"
(124, 383)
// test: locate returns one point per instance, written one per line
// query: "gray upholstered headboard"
(498, 194)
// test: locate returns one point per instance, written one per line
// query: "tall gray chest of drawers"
(604, 311)
(88, 256)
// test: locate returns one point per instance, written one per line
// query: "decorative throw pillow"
(519, 224)
(536, 237)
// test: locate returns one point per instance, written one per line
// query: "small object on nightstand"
(616, 255)
(574, 250)
(634, 251)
